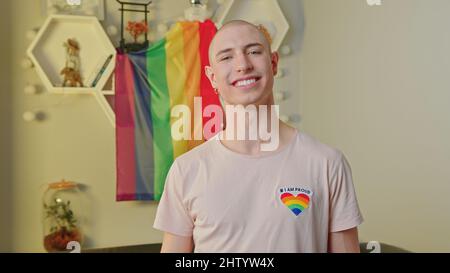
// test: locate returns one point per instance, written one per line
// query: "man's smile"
(246, 83)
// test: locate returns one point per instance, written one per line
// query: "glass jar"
(62, 216)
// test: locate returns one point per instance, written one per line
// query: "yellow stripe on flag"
(176, 78)
(192, 65)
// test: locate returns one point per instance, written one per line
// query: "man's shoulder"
(317, 149)
(200, 153)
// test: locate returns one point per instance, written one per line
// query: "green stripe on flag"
(160, 111)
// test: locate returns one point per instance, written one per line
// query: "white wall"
(376, 84)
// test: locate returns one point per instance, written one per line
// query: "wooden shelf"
(48, 53)
(267, 13)
(106, 98)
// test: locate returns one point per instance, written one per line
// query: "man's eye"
(255, 52)
(225, 58)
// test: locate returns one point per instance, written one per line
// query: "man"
(227, 195)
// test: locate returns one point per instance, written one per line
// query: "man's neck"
(253, 147)
(258, 133)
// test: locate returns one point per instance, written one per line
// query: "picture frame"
(74, 7)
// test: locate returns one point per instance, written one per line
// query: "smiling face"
(242, 65)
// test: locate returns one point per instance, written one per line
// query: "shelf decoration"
(62, 216)
(267, 13)
(135, 28)
(71, 71)
(198, 11)
(89, 50)
(74, 7)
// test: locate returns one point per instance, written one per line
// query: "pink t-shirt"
(285, 201)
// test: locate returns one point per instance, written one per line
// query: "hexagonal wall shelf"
(265, 12)
(49, 55)
(105, 99)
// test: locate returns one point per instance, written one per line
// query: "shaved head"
(242, 64)
(236, 23)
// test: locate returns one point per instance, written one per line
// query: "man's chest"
(261, 196)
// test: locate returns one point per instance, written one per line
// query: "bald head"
(261, 30)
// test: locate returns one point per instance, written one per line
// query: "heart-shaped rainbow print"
(297, 204)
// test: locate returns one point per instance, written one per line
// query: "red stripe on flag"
(124, 106)
(207, 31)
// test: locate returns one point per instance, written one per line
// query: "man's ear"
(274, 60)
(210, 74)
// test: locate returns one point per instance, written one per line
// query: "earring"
(215, 91)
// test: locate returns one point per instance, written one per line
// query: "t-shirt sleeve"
(172, 215)
(344, 209)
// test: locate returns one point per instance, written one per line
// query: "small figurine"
(71, 71)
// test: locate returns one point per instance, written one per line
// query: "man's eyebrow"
(245, 47)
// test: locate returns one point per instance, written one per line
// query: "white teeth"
(246, 82)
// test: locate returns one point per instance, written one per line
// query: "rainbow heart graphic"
(297, 204)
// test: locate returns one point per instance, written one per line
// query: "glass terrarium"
(62, 216)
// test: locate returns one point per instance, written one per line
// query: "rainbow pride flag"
(148, 84)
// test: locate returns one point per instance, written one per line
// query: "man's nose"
(243, 64)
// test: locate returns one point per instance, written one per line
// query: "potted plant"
(136, 30)
(61, 225)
